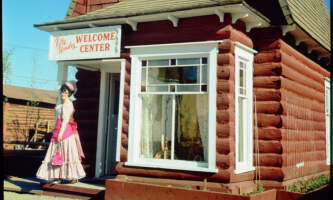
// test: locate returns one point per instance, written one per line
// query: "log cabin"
(223, 93)
(28, 115)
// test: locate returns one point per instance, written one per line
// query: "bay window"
(173, 106)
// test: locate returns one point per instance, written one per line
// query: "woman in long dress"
(66, 140)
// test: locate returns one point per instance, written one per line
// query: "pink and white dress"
(70, 148)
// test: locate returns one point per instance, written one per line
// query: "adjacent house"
(27, 113)
(224, 92)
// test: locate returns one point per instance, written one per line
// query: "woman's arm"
(67, 110)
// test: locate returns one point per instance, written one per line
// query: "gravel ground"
(22, 196)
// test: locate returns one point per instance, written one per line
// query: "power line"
(27, 47)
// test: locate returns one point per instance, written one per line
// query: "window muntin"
(179, 74)
(174, 123)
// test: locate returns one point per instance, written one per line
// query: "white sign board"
(102, 42)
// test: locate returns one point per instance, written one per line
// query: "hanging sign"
(102, 42)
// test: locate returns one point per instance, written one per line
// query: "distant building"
(24, 109)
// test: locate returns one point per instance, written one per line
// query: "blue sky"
(30, 66)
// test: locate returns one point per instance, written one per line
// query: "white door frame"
(100, 149)
(104, 66)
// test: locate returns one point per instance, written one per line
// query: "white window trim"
(208, 49)
(328, 121)
(244, 53)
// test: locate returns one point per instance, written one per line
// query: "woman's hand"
(59, 138)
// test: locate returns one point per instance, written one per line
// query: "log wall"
(290, 103)
(86, 114)
(19, 120)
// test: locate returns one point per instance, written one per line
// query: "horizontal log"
(267, 159)
(268, 107)
(288, 50)
(267, 56)
(225, 59)
(302, 79)
(269, 133)
(126, 100)
(271, 173)
(268, 146)
(302, 135)
(229, 32)
(123, 154)
(124, 140)
(225, 161)
(222, 174)
(225, 145)
(302, 111)
(290, 122)
(292, 159)
(313, 167)
(225, 130)
(265, 120)
(125, 127)
(267, 69)
(295, 99)
(267, 82)
(226, 72)
(302, 146)
(224, 116)
(127, 88)
(267, 94)
(127, 77)
(302, 90)
(226, 46)
(225, 86)
(225, 101)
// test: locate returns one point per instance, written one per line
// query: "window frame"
(244, 54)
(328, 119)
(207, 49)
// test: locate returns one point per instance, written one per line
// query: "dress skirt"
(71, 168)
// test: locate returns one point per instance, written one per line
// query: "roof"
(130, 8)
(30, 94)
(312, 16)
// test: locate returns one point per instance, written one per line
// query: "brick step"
(72, 191)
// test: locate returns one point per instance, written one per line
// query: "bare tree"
(6, 55)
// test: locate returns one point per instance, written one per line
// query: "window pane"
(164, 62)
(157, 88)
(156, 126)
(143, 77)
(204, 74)
(242, 78)
(188, 61)
(241, 122)
(167, 75)
(188, 88)
(191, 127)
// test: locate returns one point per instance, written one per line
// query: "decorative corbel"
(220, 15)
(133, 24)
(299, 40)
(237, 16)
(287, 28)
(174, 20)
(251, 25)
(91, 25)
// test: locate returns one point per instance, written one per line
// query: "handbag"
(57, 159)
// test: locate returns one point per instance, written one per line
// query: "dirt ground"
(23, 196)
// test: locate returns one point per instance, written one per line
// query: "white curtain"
(202, 109)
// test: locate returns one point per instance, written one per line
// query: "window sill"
(157, 166)
(244, 170)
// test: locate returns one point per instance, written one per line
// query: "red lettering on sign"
(62, 45)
